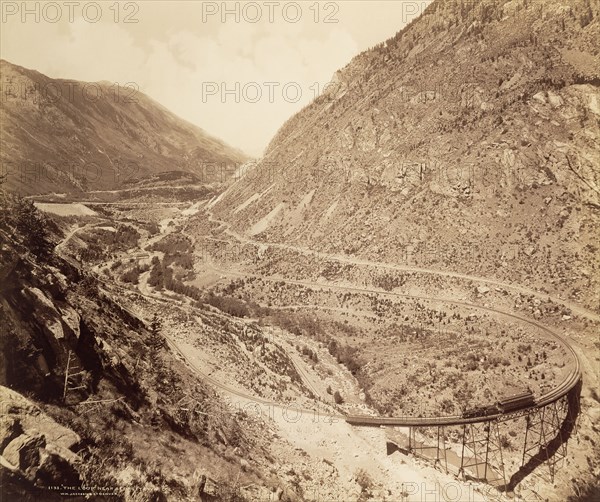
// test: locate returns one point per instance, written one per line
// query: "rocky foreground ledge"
(33, 447)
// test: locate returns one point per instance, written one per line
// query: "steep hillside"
(467, 142)
(66, 136)
(95, 403)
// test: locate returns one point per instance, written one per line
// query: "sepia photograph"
(312, 250)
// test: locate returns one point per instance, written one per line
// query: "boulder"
(23, 452)
(71, 320)
(208, 489)
(56, 433)
(540, 97)
(555, 100)
(42, 365)
(35, 447)
(10, 428)
(31, 420)
(56, 283)
(62, 452)
(211, 488)
(47, 317)
(55, 470)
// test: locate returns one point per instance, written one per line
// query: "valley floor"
(321, 455)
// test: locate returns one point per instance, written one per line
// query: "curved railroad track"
(549, 397)
(407, 421)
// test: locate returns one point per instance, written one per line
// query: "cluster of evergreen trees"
(161, 277)
(21, 220)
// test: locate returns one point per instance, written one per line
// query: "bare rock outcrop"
(33, 446)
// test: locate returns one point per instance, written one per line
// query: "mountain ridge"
(460, 134)
(64, 135)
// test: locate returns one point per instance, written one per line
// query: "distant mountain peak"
(65, 135)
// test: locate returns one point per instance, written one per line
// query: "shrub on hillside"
(233, 306)
(337, 397)
(364, 480)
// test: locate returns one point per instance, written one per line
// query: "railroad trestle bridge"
(548, 423)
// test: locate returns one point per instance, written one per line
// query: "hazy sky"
(236, 69)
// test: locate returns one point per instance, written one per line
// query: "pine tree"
(155, 330)
(156, 341)
(32, 226)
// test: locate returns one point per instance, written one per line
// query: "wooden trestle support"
(481, 456)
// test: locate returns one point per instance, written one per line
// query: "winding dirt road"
(578, 309)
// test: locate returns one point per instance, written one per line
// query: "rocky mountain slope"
(66, 136)
(467, 142)
(93, 402)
